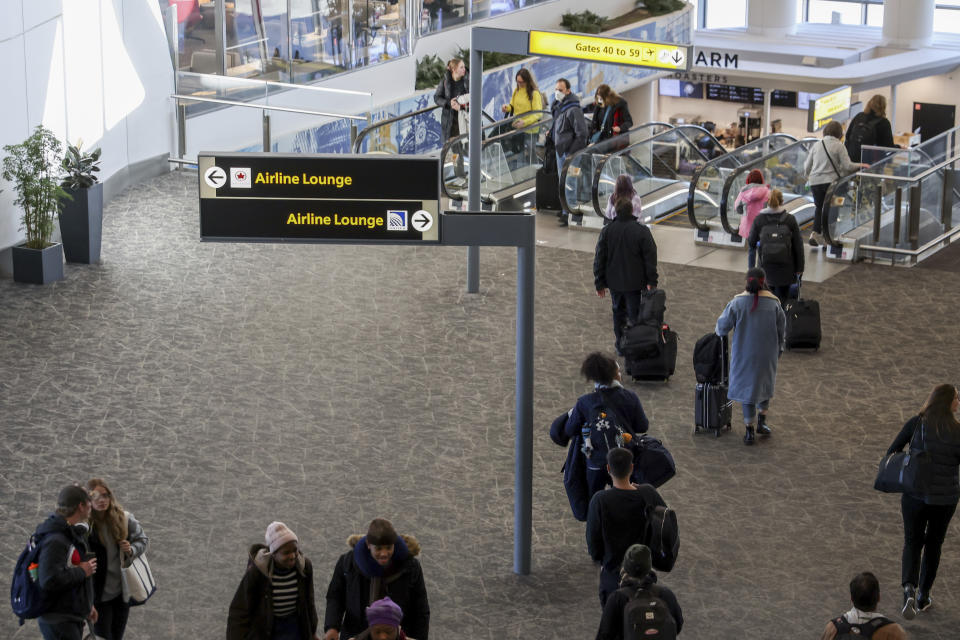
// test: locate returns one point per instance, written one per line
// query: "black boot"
(763, 429)
(749, 438)
(924, 601)
(909, 610)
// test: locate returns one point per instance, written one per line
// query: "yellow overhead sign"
(829, 106)
(610, 50)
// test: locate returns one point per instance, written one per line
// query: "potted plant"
(81, 221)
(33, 166)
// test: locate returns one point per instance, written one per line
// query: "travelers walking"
(649, 608)
(753, 197)
(862, 621)
(116, 538)
(625, 262)
(759, 324)
(622, 188)
(617, 519)
(275, 599)
(826, 162)
(780, 244)
(927, 511)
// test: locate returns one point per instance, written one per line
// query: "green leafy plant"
(33, 166)
(491, 59)
(429, 71)
(583, 22)
(660, 7)
(79, 167)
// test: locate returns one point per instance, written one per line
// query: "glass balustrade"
(706, 186)
(510, 156)
(578, 171)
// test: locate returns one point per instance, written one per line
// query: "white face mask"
(559, 95)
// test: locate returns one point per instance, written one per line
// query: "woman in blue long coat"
(758, 323)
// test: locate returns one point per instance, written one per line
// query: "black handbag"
(906, 471)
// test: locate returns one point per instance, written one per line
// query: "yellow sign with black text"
(610, 50)
(829, 106)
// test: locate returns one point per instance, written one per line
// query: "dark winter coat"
(447, 90)
(251, 610)
(68, 590)
(349, 593)
(945, 486)
(138, 545)
(882, 134)
(626, 256)
(569, 130)
(779, 275)
(619, 118)
(611, 622)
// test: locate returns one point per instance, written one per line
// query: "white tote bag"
(139, 580)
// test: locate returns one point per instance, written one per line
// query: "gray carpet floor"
(219, 387)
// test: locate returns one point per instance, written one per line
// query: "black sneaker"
(909, 610)
(924, 602)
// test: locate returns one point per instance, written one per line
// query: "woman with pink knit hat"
(383, 618)
(275, 599)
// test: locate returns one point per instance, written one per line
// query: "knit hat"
(72, 497)
(384, 611)
(278, 534)
(636, 561)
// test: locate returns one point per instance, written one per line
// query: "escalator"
(419, 133)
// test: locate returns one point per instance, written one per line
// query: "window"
(724, 14)
(835, 11)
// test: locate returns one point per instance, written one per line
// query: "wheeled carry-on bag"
(659, 366)
(803, 323)
(548, 191)
(713, 411)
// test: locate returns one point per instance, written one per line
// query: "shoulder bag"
(906, 471)
(832, 163)
(139, 580)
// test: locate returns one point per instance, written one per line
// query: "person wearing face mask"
(569, 131)
(379, 564)
(611, 117)
(275, 599)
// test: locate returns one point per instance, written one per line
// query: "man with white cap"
(275, 599)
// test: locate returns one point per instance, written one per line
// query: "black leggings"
(924, 528)
(819, 195)
(112, 618)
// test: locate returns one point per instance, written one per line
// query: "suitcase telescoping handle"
(799, 284)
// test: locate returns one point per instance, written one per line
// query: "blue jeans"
(750, 410)
(626, 308)
(60, 630)
(287, 628)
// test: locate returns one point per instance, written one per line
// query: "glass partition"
(706, 185)
(436, 15)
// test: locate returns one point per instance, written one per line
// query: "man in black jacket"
(617, 519)
(65, 572)
(626, 263)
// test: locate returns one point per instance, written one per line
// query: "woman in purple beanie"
(384, 618)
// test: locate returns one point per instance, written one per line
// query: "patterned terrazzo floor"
(220, 387)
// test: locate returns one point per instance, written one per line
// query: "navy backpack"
(26, 597)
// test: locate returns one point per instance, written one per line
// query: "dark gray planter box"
(81, 224)
(38, 266)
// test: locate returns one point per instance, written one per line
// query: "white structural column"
(908, 23)
(644, 101)
(773, 18)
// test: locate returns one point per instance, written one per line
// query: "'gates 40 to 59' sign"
(319, 198)
(610, 50)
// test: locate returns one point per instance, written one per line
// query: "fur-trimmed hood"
(404, 548)
(262, 559)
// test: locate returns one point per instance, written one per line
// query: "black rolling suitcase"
(803, 323)
(659, 366)
(548, 191)
(713, 411)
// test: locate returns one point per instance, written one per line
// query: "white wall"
(92, 69)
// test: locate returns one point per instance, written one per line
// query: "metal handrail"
(251, 105)
(695, 178)
(403, 116)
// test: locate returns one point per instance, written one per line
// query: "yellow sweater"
(521, 104)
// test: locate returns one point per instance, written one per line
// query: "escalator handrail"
(728, 183)
(358, 143)
(565, 206)
(695, 179)
(595, 181)
(464, 138)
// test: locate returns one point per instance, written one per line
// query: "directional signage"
(610, 50)
(275, 197)
(834, 105)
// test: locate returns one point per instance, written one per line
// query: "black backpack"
(709, 358)
(863, 130)
(603, 430)
(647, 616)
(662, 537)
(776, 247)
(848, 631)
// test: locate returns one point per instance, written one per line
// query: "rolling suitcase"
(548, 191)
(659, 366)
(803, 323)
(713, 411)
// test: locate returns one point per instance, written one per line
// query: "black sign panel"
(319, 198)
(733, 93)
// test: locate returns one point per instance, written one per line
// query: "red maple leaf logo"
(241, 175)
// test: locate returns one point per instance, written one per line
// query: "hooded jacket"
(626, 256)
(68, 590)
(611, 622)
(359, 580)
(251, 610)
(779, 275)
(569, 126)
(754, 198)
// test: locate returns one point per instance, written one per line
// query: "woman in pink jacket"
(754, 198)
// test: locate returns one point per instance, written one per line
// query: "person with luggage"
(641, 605)
(622, 188)
(758, 324)
(569, 131)
(65, 567)
(825, 163)
(275, 599)
(751, 199)
(862, 621)
(927, 511)
(611, 117)
(869, 127)
(379, 564)
(625, 262)
(617, 519)
(780, 246)
(116, 538)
